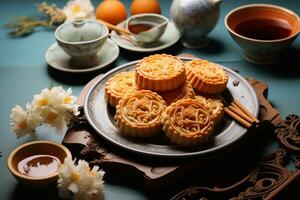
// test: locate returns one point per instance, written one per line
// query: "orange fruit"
(144, 6)
(112, 11)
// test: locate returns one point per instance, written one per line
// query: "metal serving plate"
(100, 115)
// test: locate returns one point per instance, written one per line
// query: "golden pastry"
(187, 122)
(185, 91)
(215, 105)
(205, 76)
(118, 86)
(139, 113)
(160, 72)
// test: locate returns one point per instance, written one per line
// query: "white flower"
(67, 177)
(54, 107)
(56, 98)
(80, 181)
(23, 122)
(79, 9)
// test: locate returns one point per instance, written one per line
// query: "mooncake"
(139, 113)
(185, 91)
(160, 72)
(118, 86)
(215, 105)
(187, 122)
(206, 77)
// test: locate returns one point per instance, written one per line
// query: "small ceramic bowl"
(31, 149)
(82, 40)
(152, 27)
(264, 46)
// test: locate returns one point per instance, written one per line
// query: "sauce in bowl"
(39, 165)
(140, 27)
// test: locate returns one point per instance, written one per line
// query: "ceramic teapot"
(195, 19)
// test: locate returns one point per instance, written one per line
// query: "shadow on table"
(76, 78)
(22, 192)
(288, 65)
(214, 47)
(131, 56)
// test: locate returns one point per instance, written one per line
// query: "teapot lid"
(80, 30)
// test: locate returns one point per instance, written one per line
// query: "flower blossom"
(79, 9)
(54, 107)
(80, 181)
(22, 121)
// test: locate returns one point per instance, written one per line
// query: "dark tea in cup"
(264, 28)
(141, 27)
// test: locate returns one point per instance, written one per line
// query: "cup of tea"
(146, 28)
(36, 164)
(82, 40)
(263, 31)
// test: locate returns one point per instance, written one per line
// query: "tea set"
(149, 32)
(79, 47)
(80, 44)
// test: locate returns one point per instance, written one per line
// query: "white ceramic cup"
(158, 22)
(82, 40)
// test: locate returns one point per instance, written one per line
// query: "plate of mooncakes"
(168, 106)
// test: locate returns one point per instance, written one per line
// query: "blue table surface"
(24, 72)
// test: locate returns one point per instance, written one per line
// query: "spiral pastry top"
(139, 113)
(160, 72)
(205, 76)
(118, 86)
(185, 91)
(187, 122)
(215, 105)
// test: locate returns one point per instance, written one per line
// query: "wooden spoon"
(113, 27)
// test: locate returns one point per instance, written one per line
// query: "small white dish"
(170, 37)
(57, 58)
(146, 27)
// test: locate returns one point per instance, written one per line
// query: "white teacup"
(146, 28)
(82, 40)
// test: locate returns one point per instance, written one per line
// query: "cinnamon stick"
(240, 106)
(241, 114)
(237, 118)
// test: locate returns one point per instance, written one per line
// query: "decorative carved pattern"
(271, 173)
(297, 162)
(267, 176)
(288, 134)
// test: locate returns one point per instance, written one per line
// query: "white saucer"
(170, 37)
(60, 60)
